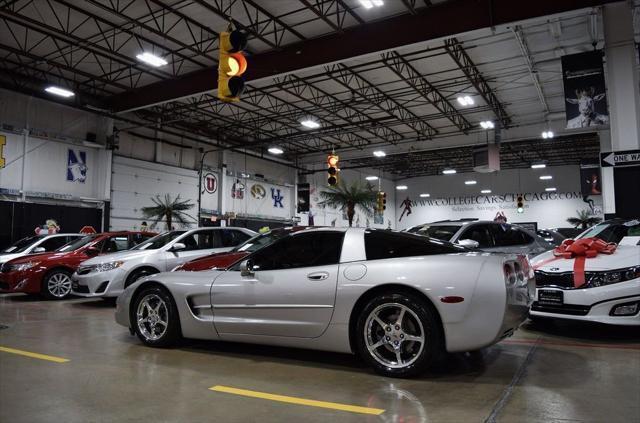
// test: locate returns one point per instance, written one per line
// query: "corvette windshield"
(443, 232)
(158, 241)
(23, 244)
(74, 245)
(613, 231)
(259, 241)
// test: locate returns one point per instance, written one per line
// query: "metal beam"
(403, 69)
(468, 67)
(524, 48)
(387, 34)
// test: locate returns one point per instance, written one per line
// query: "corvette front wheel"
(398, 335)
(154, 317)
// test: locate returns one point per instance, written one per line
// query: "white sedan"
(396, 299)
(603, 289)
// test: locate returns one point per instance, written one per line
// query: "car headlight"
(105, 267)
(595, 279)
(19, 267)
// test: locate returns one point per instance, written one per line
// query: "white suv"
(108, 275)
(36, 244)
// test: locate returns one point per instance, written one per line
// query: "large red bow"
(581, 250)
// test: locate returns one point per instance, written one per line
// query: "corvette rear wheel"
(57, 284)
(399, 335)
(155, 318)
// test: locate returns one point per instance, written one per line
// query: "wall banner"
(76, 166)
(584, 90)
(303, 197)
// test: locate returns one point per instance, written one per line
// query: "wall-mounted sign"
(620, 158)
(258, 192)
(303, 197)
(584, 90)
(3, 141)
(210, 183)
(76, 166)
(237, 190)
(277, 197)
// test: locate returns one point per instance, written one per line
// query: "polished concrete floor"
(567, 372)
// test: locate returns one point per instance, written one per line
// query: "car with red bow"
(594, 278)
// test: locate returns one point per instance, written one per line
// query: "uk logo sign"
(77, 166)
(277, 197)
(210, 183)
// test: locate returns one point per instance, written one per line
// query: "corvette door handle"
(318, 276)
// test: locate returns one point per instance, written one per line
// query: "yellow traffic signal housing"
(332, 170)
(381, 202)
(232, 64)
(520, 204)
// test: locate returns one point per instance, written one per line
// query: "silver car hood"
(120, 255)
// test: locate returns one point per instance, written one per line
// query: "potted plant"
(584, 220)
(349, 197)
(169, 210)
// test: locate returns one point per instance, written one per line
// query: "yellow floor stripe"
(299, 401)
(34, 355)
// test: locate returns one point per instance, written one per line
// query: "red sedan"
(224, 260)
(50, 273)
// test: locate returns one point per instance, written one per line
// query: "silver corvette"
(397, 300)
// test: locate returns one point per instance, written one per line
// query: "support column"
(623, 94)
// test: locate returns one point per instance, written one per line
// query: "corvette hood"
(120, 255)
(624, 256)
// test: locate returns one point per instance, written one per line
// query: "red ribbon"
(581, 250)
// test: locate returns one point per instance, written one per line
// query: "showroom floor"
(559, 374)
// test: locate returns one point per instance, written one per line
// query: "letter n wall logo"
(3, 142)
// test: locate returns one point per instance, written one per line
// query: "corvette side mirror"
(178, 246)
(246, 268)
(39, 250)
(469, 243)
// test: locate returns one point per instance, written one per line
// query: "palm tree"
(344, 197)
(585, 219)
(168, 209)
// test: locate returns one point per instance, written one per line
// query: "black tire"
(418, 359)
(152, 332)
(137, 274)
(56, 285)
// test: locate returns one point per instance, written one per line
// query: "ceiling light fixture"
(310, 123)
(59, 91)
(487, 124)
(470, 182)
(368, 4)
(401, 187)
(546, 177)
(275, 150)
(550, 189)
(425, 195)
(465, 100)
(485, 191)
(538, 166)
(547, 134)
(151, 59)
(371, 178)
(448, 171)
(379, 153)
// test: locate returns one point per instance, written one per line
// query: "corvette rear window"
(384, 244)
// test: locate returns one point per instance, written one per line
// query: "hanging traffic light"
(232, 64)
(381, 202)
(520, 204)
(332, 169)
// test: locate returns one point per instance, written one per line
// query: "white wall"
(452, 199)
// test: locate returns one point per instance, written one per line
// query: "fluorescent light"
(465, 100)
(487, 124)
(310, 123)
(151, 59)
(485, 191)
(401, 187)
(275, 150)
(547, 134)
(368, 4)
(377, 3)
(538, 166)
(470, 182)
(379, 153)
(371, 178)
(425, 195)
(449, 171)
(59, 91)
(546, 177)
(550, 189)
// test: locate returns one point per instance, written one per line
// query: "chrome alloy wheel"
(59, 285)
(394, 335)
(152, 317)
